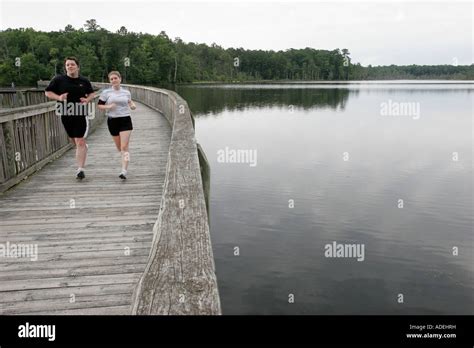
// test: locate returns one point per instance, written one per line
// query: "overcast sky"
(376, 32)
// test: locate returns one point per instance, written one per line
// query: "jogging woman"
(72, 93)
(117, 102)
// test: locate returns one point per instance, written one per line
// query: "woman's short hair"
(72, 58)
(114, 72)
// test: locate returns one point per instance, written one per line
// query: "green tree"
(91, 25)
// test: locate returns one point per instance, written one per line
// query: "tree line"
(27, 56)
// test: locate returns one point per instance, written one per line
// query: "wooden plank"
(34, 203)
(79, 235)
(9, 136)
(46, 132)
(107, 244)
(105, 310)
(66, 303)
(28, 228)
(78, 291)
(47, 283)
(17, 154)
(73, 272)
(3, 157)
(74, 214)
(28, 147)
(7, 268)
(80, 255)
(78, 193)
(83, 221)
(35, 141)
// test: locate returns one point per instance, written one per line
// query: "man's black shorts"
(76, 126)
(119, 124)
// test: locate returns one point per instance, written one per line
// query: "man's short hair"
(72, 58)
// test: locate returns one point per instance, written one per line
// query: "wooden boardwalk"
(94, 236)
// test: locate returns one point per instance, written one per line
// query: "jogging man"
(73, 93)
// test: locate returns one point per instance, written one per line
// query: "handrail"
(18, 97)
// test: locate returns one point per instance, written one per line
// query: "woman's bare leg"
(124, 140)
(117, 142)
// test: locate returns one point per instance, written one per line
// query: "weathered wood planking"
(180, 275)
(82, 250)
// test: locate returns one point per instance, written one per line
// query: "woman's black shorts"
(119, 124)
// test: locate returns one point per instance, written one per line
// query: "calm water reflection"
(301, 134)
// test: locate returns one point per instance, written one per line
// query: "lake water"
(386, 167)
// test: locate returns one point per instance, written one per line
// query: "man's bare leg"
(81, 154)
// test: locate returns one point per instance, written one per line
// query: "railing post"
(9, 136)
(20, 99)
(47, 133)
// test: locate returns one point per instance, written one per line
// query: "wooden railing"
(180, 274)
(30, 137)
(14, 98)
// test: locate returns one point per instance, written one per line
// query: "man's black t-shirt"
(76, 88)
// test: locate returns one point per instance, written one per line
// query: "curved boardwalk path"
(94, 236)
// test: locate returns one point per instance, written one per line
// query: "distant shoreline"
(336, 82)
(287, 82)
